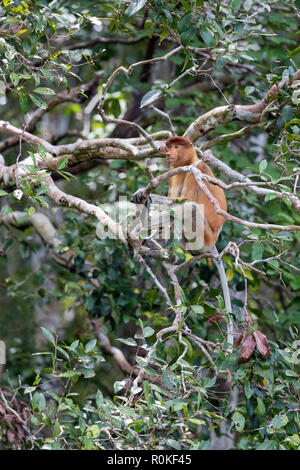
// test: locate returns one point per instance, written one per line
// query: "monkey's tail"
(226, 295)
(226, 442)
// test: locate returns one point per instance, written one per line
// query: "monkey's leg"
(190, 216)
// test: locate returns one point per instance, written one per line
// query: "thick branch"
(72, 96)
(41, 223)
(77, 152)
(247, 113)
(64, 199)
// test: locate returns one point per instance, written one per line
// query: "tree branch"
(72, 96)
(64, 199)
(221, 115)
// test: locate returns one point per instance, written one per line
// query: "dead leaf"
(248, 346)
(261, 343)
(239, 339)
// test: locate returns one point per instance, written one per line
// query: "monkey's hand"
(139, 198)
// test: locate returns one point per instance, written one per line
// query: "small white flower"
(95, 20)
(18, 194)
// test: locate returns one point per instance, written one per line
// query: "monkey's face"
(177, 155)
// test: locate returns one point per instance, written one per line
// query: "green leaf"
(187, 35)
(31, 211)
(238, 420)
(64, 161)
(168, 15)
(135, 6)
(197, 309)
(287, 113)
(118, 386)
(267, 445)
(49, 336)
(148, 331)
(68, 373)
(52, 25)
(167, 380)
(44, 91)
(257, 251)
(90, 345)
(261, 409)
(38, 401)
(208, 37)
(220, 62)
(23, 102)
(182, 295)
(15, 78)
(270, 197)
(280, 421)
(263, 165)
(174, 444)
(87, 373)
(146, 389)
(229, 274)
(291, 373)
(56, 431)
(42, 151)
(127, 341)
(135, 389)
(74, 345)
(236, 4)
(43, 189)
(99, 399)
(29, 390)
(39, 102)
(150, 97)
(3, 193)
(184, 23)
(63, 352)
(248, 390)
(248, 4)
(209, 382)
(197, 421)
(249, 90)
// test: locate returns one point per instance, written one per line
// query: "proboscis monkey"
(179, 152)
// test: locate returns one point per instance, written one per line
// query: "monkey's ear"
(139, 198)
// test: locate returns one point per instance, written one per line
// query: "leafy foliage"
(78, 399)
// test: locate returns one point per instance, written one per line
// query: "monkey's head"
(179, 151)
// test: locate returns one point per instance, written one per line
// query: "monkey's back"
(192, 192)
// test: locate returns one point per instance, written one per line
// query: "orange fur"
(179, 152)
